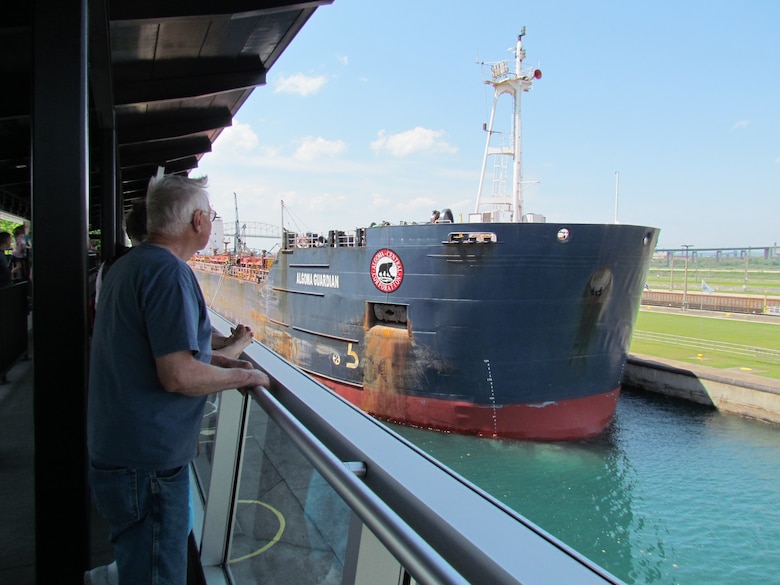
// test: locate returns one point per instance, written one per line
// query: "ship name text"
(317, 279)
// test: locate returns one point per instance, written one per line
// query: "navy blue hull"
(420, 317)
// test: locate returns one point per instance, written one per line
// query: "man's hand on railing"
(263, 381)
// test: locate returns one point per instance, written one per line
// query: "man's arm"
(181, 372)
(233, 346)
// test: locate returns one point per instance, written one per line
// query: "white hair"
(171, 200)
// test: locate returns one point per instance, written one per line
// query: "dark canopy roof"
(142, 83)
(168, 75)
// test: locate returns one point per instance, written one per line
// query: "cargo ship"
(504, 325)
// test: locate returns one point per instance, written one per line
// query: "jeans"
(149, 522)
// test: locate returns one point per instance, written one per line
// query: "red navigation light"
(538, 74)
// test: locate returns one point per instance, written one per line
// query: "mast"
(284, 232)
(513, 84)
(236, 245)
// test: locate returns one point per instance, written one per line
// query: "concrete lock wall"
(734, 392)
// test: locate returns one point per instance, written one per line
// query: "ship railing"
(294, 484)
(253, 273)
(332, 239)
(207, 266)
(250, 272)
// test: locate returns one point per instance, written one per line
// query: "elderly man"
(151, 369)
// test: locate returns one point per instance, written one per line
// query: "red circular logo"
(387, 271)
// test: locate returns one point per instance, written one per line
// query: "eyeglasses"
(212, 215)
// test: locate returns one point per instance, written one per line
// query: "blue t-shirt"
(150, 305)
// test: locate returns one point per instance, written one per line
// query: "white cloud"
(312, 148)
(300, 84)
(236, 138)
(741, 124)
(411, 141)
(343, 59)
(380, 201)
(326, 202)
(466, 204)
(418, 203)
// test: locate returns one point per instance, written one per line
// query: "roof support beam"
(164, 151)
(144, 172)
(177, 88)
(154, 10)
(134, 128)
(100, 78)
(59, 205)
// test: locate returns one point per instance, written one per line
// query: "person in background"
(135, 227)
(20, 268)
(5, 269)
(28, 248)
(151, 370)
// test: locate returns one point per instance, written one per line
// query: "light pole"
(685, 284)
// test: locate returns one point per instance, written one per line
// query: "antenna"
(236, 245)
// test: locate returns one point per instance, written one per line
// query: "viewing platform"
(295, 485)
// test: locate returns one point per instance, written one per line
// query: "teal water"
(673, 492)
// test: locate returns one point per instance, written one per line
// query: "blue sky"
(375, 113)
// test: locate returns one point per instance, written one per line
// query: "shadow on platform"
(17, 482)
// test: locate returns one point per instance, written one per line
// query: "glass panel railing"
(205, 456)
(290, 526)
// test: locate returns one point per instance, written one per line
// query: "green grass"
(723, 329)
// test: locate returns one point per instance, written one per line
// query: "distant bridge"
(252, 229)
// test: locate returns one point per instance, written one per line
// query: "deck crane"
(238, 243)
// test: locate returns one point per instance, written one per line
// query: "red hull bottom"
(560, 420)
